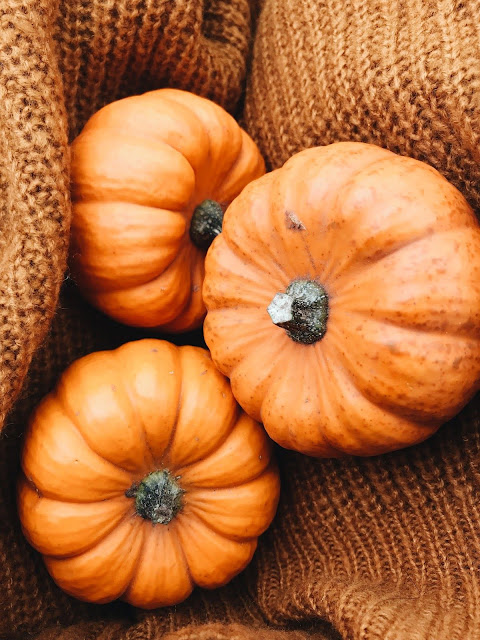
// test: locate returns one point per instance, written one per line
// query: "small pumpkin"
(151, 176)
(141, 477)
(343, 301)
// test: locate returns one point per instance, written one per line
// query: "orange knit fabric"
(386, 548)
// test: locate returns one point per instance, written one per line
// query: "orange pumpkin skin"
(139, 169)
(397, 251)
(114, 419)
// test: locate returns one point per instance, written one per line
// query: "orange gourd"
(151, 176)
(343, 301)
(141, 477)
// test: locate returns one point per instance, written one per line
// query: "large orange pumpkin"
(142, 477)
(343, 301)
(151, 178)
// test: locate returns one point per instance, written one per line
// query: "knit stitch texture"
(402, 75)
(386, 548)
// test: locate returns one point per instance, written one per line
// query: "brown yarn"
(108, 49)
(34, 211)
(215, 631)
(402, 75)
(379, 549)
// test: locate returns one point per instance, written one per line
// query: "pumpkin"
(343, 300)
(151, 176)
(142, 477)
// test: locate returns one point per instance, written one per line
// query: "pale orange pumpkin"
(142, 477)
(343, 301)
(151, 176)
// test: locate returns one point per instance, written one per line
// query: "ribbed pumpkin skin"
(397, 249)
(139, 168)
(114, 418)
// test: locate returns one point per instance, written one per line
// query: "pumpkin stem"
(206, 223)
(302, 311)
(158, 497)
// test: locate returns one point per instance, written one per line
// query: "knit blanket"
(386, 548)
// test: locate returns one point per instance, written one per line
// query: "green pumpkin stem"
(206, 223)
(158, 497)
(302, 311)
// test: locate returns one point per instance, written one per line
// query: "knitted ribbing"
(404, 75)
(108, 49)
(386, 548)
(393, 543)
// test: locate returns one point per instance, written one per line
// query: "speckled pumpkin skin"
(397, 249)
